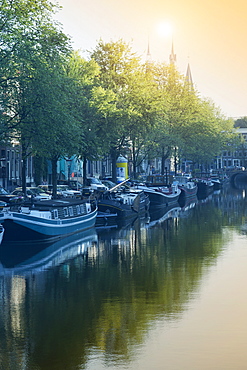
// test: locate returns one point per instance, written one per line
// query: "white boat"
(46, 219)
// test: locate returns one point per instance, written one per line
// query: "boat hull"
(204, 189)
(187, 193)
(20, 226)
(160, 199)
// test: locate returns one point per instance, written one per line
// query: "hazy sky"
(210, 35)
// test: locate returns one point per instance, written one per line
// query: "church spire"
(189, 76)
(148, 53)
(173, 56)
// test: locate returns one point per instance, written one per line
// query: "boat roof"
(54, 203)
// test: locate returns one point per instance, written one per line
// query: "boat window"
(55, 213)
(78, 209)
(82, 208)
(65, 211)
(71, 213)
(159, 179)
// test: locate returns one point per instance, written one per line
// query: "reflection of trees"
(232, 205)
(109, 298)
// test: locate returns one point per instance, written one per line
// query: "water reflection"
(24, 257)
(100, 293)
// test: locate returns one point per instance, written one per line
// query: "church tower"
(189, 76)
(148, 57)
(173, 56)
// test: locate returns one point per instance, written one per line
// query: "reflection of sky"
(211, 333)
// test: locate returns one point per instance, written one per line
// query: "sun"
(164, 29)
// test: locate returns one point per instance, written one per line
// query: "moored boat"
(217, 183)
(124, 203)
(188, 189)
(205, 187)
(161, 196)
(47, 219)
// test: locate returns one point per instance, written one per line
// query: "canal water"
(162, 293)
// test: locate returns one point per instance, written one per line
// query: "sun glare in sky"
(165, 29)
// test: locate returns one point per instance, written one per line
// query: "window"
(65, 212)
(71, 213)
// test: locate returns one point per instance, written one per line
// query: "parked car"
(72, 184)
(48, 189)
(8, 198)
(63, 191)
(95, 184)
(32, 192)
(67, 192)
(108, 183)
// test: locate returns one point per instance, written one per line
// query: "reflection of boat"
(160, 215)
(45, 219)
(17, 257)
(189, 204)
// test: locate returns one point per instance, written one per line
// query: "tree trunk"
(163, 159)
(24, 170)
(114, 164)
(54, 177)
(84, 170)
(175, 161)
(134, 158)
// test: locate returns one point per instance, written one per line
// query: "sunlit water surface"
(161, 293)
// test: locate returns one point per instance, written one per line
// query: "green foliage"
(241, 122)
(34, 96)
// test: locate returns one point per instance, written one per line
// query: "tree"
(90, 104)
(31, 77)
(118, 66)
(176, 101)
(144, 109)
(241, 122)
(207, 133)
(191, 127)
